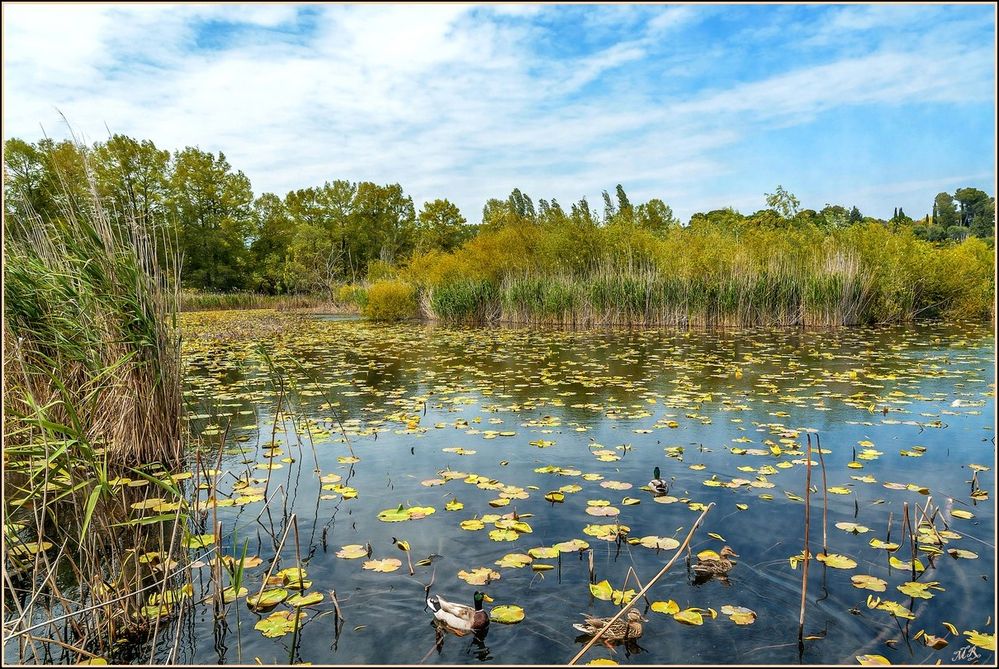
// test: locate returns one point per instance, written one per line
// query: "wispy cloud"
(470, 101)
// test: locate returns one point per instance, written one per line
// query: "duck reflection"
(476, 647)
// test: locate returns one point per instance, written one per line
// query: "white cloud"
(452, 101)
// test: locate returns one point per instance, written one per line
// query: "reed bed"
(193, 300)
(92, 402)
(839, 293)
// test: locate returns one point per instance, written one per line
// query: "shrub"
(390, 300)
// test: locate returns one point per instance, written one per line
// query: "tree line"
(313, 239)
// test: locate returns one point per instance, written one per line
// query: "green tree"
(834, 216)
(656, 216)
(440, 225)
(212, 205)
(978, 211)
(521, 205)
(385, 218)
(275, 231)
(946, 212)
(783, 202)
(133, 177)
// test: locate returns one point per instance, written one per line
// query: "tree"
(274, 233)
(726, 219)
(610, 211)
(27, 181)
(581, 215)
(977, 212)
(133, 177)
(495, 214)
(213, 209)
(783, 202)
(834, 216)
(386, 218)
(946, 212)
(521, 205)
(656, 216)
(855, 216)
(441, 226)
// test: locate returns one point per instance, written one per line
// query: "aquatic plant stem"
(825, 497)
(277, 555)
(655, 579)
(804, 568)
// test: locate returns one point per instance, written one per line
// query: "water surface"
(612, 404)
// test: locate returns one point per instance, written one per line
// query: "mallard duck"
(461, 616)
(659, 487)
(620, 630)
(720, 566)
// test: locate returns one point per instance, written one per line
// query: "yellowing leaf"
(871, 660)
(543, 552)
(668, 607)
(689, 617)
(503, 535)
(305, 600)
(869, 582)
(739, 615)
(960, 553)
(352, 551)
(514, 560)
(479, 576)
(507, 614)
(853, 528)
(983, 640)
(659, 543)
(383, 565)
(919, 589)
(279, 623)
(836, 561)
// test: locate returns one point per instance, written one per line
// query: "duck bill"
(486, 598)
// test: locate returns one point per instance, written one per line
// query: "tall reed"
(92, 392)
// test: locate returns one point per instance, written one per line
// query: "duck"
(720, 566)
(620, 630)
(659, 487)
(461, 617)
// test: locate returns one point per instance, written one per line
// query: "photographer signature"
(965, 654)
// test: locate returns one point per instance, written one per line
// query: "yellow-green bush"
(390, 300)
(350, 295)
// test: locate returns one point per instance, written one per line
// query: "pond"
(482, 423)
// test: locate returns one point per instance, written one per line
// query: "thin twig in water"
(804, 569)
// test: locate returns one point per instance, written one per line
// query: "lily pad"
(267, 599)
(864, 581)
(739, 614)
(352, 551)
(479, 576)
(384, 565)
(279, 623)
(508, 614)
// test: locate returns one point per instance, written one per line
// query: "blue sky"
(703, 106)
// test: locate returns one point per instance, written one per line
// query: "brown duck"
(620, 630)
(708, 568)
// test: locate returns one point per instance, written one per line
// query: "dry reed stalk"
(804, 569)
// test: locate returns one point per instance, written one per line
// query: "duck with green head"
(461, 617)
(658, 486)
